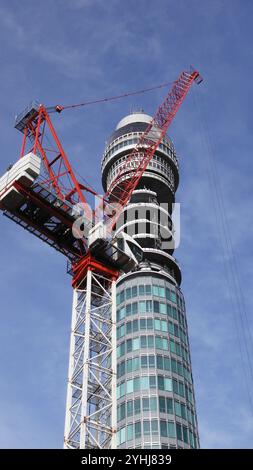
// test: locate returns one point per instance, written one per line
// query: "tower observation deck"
(155, 394)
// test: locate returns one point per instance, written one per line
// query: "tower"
(155, 395)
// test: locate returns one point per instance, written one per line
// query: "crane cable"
(242, 325)
(59, 108)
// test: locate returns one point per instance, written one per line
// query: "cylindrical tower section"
(155, 395)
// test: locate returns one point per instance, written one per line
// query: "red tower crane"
(40, 193)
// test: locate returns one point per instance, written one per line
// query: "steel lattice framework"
(91, 392)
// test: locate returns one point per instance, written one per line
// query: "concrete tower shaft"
(155, 396)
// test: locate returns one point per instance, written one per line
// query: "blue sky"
(62, 51)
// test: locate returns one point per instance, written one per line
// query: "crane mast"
(39, 193)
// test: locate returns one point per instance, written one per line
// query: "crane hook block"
(58, 108)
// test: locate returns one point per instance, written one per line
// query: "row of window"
(166, 405)
(148, 289)
(151, 428)
(166, 169)
(150, 306)
(147, 382)
(133, 141)
(151, 324)
(157, 162)
(151, 341)
(135, 363)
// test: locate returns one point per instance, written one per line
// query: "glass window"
(135, 326)
(150, 323)
(171, 429)
(175, 386)
(148, 305)
(160, 382)
(122, 296)
(150, 341)
(178, 349)
(178, 409)
(181, 389)
(136, 384)
(164, 326)
(130, 408)
(136, 344)
(162, 308)
(137, 429)
(161, 291)
(165, 344)
(156, 290)
(191, 439)
(145, 404)
(137, 405)
(121, 390)
(143, 341)
(179, 431)
(134, 308)
(120, 314)
(183, 411)
(160, 362)
(148, 289)
(154, 428)
(179, 368)
(122, 435)
(130, 386)
(157, 324)
(145, 382)
(142, 306)
(152, 381)
(128, 309)
(162, 408)
(118, 299)
(174, 365)
(173, 297)
(171, 328)
(141, 289)
(130, 432)
(129, 365)
(156, 306)
(120, 331)
(158, 342)
(146, 427)
(144, 361)
(136, 363)
(169, 404)
(129, 345)
(151, 360)
(128, 293)
(143, 323)
(172, 346)
(169, 311)
(134, 291)
(167, 384)
(153, 403)
(128, 327)
(122, 411)
(163, 428)
(174, 313)
(167, 294)
(166, 363)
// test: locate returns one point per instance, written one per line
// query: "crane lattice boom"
(132, 169)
